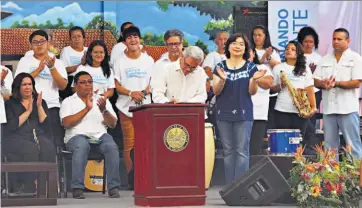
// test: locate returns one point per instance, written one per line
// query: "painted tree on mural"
(98, 22)
(220, 11)
(157, 40)
(48, 25)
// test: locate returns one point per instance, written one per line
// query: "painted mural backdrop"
(199, 21)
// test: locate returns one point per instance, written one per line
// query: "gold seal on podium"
(176, 138)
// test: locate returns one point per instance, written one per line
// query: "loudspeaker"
(261, 185)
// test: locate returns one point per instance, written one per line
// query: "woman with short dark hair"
(235, 80)
(27, 133)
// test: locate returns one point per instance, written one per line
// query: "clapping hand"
(49, 61)
(89, 102)
(83, 60)
(221, 72)
(259, 74)
(39, 100)
(101, 102)
(3, 74)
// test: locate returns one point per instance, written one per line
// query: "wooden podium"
(169, 155)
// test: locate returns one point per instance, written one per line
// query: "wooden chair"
(44, 197)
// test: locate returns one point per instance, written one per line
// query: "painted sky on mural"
(146, 15)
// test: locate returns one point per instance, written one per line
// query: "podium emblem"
(176, 138)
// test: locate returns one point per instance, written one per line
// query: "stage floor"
(97, 200)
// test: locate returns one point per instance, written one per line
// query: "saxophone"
(299, 97)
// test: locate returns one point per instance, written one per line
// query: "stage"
(97, 200)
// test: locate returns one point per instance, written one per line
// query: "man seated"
(181, 81)
(86, 116)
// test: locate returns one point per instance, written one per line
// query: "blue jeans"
(80, 148)
(349, 125)
(235, 138)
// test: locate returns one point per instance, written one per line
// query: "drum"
(284, 141)
(209, 153)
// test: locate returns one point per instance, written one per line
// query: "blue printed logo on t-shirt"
(99, 79)
(75, 60)
(45, 74)
(135, 73)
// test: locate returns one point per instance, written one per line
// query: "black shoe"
(113, 193)
(78, 193)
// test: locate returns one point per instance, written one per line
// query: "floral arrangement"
(325, 182)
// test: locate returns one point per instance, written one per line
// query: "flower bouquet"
(325, 182)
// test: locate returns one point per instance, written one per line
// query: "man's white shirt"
(349, 67)
(92, 125)
(170, 82)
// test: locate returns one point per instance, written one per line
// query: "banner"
(286, 18)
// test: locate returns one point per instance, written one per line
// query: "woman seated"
(26, 133)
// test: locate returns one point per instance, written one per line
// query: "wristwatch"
(269, 58)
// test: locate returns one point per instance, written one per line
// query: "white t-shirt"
(349, 67)
(212, 59)
(284, 101)
(261, 98)
(44, 81)
(31, 53)
(134, 75)
(71, 57)
(91, 125)
(118, 51)
(275, 55)
(313, 58)
(100, 82)
(8, 81)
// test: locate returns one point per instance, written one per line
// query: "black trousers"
(25, 150)
(271, 113)
(257, 137)
(57, 130)
(318, 99)
(290, 121)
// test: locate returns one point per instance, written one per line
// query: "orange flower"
(316, 191)
(348, 148)
(318, 148)
(310, 168)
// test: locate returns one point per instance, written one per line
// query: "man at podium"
(181, 81)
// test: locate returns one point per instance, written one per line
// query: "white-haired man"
(182, 80)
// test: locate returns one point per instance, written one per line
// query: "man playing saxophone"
(294, 82)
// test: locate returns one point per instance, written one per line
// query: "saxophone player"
(289, 105)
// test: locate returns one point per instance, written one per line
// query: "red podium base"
(169, 155)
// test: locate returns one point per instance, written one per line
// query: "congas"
(209, 153)
(284, 141)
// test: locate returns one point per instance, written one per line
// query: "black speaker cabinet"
(261, 185)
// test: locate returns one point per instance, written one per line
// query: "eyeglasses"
(84, 82)
(38, 43)
(173, 44)
(190, 67)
